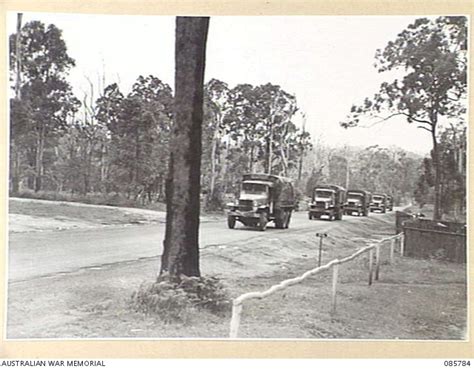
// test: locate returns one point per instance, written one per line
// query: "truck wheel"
(287, 219)
(310, 216)
(262, 223)
(280, 220)
(384, 210)
(231, 222)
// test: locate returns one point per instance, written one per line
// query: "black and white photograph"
(237, 177)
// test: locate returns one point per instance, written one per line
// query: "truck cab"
(379, 202)
(263, 198)
(327, 201)
(358, 203)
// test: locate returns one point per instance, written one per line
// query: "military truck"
(389, 203)
(379, 202)
(358, 202)
(263, 198)
(327, 201)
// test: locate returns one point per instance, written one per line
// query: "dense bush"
(175, 301)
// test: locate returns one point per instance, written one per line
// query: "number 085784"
(457, 363)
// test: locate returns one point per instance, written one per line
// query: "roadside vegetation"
(111, 147)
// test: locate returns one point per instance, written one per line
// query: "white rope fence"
(334, 264)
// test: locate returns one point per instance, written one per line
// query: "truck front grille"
(245, 205)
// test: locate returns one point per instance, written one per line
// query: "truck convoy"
(328, 201)
(263, 198)
(358, 202)
(379, 202)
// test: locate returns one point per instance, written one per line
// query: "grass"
(71, 212)
(112, 199)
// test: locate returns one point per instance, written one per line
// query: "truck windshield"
(323, 193)
(355, 197)
(253, 188)
(377, 198)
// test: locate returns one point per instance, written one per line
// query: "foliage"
(118, 141)
(46, 99)
(452, 153)
(374, 168)
(432, 55)
(171, 301)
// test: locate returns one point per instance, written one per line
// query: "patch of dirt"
(413, 299)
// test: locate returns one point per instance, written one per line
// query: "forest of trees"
(114, 145)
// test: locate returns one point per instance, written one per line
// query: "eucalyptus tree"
(431, 57)
(181, 244)
(45, 107)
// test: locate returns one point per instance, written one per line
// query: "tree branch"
(383, 119)
(426, 129)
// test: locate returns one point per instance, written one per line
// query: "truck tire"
(287, 219)
(231, 222)
(280, 220)
(310, 216)
(384, 210)
(262, 222)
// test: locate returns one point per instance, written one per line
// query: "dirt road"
(35, 254)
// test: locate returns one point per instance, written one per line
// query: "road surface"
(36, 254)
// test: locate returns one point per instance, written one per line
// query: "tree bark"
(181, 244)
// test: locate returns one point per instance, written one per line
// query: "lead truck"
(263, 198)
(327, 201)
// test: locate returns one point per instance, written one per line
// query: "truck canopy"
(265, 177)
(340, 191)
(358, 193)
(282, 187)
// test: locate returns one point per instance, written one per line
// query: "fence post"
(371, 257)
(377, 261)
(392, 246)
(402, 244)
(235, 321)
(335, 270)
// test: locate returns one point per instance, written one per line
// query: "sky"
(327, 62)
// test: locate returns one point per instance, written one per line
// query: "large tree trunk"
(181, 244)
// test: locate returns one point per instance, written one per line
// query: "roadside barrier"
(237, 304)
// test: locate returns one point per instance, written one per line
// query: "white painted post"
(402, 244)
(377, 261)
(235, 320)
(371, 258)
(335, 270)
(392, 246)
